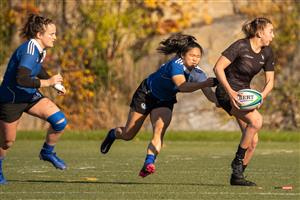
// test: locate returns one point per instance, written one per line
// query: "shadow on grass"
(115, 183)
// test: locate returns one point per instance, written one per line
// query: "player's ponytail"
(250, 28)
(178, 43)
(34, 24)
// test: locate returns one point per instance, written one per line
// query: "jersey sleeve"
(232, 52)
(27, 60)
(270, 62)
(197, 75)
(176, 68)
(43, 74)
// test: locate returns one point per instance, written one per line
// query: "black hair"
(178, 43)
(250, 28)
(34, 24)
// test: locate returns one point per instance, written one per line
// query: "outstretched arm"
(210, 95)
(184, 86)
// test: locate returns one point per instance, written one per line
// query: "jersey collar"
(37, 45)
(41, 50)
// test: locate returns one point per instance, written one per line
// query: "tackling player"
(156, 95)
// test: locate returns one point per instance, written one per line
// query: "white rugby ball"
(59, 87)
(249, 99)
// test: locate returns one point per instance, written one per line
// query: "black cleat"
(107, 142)
(237, 176)
(237, 168)
(240, 181)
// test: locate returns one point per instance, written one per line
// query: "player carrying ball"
(235, 69)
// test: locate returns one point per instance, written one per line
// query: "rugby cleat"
(237, 168)
(53, 159)
(2, 179)
(147, 170)
(240, 181)
(237, 176)
(108, 141)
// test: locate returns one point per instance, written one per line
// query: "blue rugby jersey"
(29, 55)
(160, 83)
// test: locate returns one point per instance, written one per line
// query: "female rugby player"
(19, 90)
(156, 95)
(239, 63)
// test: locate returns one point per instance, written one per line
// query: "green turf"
(185, 170)
(282, 136)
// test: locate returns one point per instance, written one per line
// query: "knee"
(126, 133)
(58, 121)
(7, 144)
(257, 122)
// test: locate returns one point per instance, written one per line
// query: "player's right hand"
(233, 95)
(55, 79)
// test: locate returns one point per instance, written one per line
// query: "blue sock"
(47, 148)
(150, 159)
(1, 159)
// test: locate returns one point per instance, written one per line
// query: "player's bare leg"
(253, 119)
(7, 138)
(250, 151)
(133, 125)
(160, 119)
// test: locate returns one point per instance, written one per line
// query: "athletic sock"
(1, 159)
(150, 159)
(47, 148)
(240, 154)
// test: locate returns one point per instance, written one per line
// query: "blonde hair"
(250, 28)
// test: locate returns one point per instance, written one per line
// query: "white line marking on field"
(91, 167)
(38, 171)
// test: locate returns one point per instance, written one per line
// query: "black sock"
(240, 154)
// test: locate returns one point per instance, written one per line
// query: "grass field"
(185, 170)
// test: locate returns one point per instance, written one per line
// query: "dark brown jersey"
(245, 63)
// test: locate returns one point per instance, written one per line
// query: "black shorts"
(144, 102)
(223, 99)
(10, 112)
